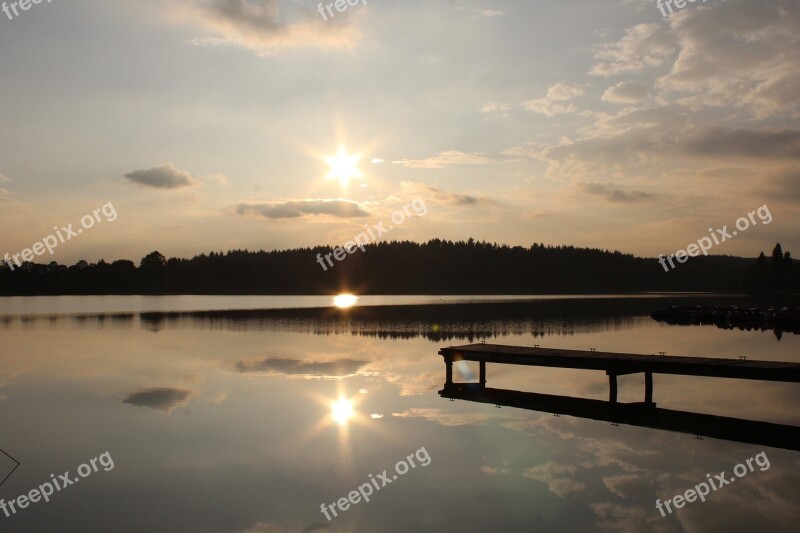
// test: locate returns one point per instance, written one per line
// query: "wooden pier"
(617, 364)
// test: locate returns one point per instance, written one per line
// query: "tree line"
(404, 267)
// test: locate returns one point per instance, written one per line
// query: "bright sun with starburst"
(342, 411)
(343, 167)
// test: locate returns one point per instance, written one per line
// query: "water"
(222, 422)
(37, 305)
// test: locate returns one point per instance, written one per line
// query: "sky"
(212, 125)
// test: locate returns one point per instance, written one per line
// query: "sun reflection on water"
(342, 411)
(343, 301)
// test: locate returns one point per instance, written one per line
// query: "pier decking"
(617, 364)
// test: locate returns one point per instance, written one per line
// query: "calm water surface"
(21, 305)
(224, 423)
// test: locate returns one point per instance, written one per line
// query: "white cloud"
(644, 45)
(444, 418)
(626, 92)
(483, 12)
(556, 478)
(490, 107)
(550, 104)
(738, 53)
(446, 159)
(627, 486)
(5, 194)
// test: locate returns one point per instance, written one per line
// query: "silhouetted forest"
(434, 267)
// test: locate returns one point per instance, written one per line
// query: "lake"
(248, 414)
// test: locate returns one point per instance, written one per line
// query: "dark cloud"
(161, 399)
(163, 177)
(440, 196)
(296, 367)
(298, 208)
(762, 144)
(259, 18)
(264, 26)
(615, 195)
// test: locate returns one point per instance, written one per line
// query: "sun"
(344, 167)
(342, 411)
(344, 301)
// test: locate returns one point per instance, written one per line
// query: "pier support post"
(612, 387)
(448, 368)
(648, 388)
(483, 374)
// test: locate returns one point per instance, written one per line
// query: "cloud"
(296, 367)
(490, 107)
(640, 141)
(7, 196)
(409, 188)
(759, 144)
(738, 53)
(643, 45)
(299, 208)
(549, 105)
(414, 384)
(614, 195)
(554, 476)
(482, 12)
(627, 486)
(161, 399)
(626, 92)
(163, 177)
(620, 142)
(615, 517)
(494, 471)
(446, 159)
(259, 26)
(444, 418)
